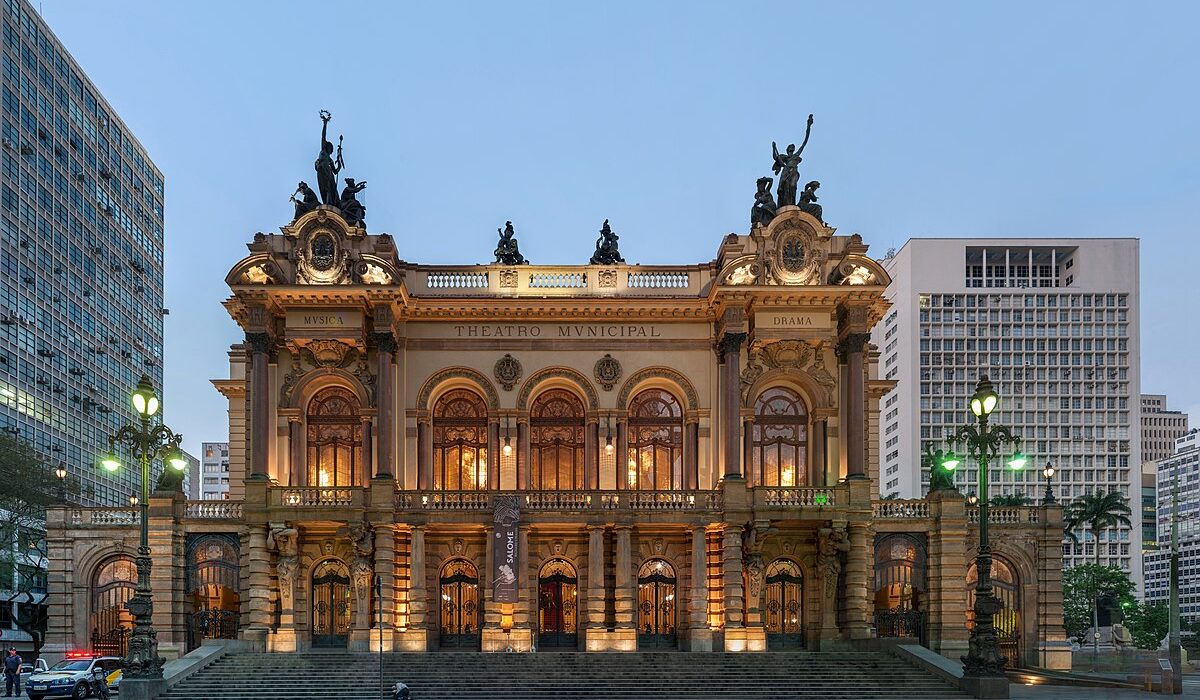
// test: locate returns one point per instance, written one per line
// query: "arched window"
(556, 441)
(460, 446)
(780, 438)
(112, 587)
(655, 442)
(1008, 620)
(334, 438)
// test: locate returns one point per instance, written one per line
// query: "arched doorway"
(558, 605)
(784, 608)
(460, 604)
(656, 604)
(112, 586)
(330, 604)
(1008, 620)
(900, 586)
(212, 585)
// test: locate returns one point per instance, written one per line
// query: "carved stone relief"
(788, 355)
(607, 371)
(507, 371)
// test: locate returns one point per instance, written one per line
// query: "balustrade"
(658, 280)
(451, 279)
(800, 497)
(214, 510)
(104, 517)
(900, 510)
(558, 280)
(1006, 515)
(321, 497)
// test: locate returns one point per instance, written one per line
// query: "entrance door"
(459, 591)
(785, 605)
(558, 605)
(656, 605)
(330, 604)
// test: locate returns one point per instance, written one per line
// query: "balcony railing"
(319, 497)
(214, 510)
(900, 510)
(1006, 515)
(797, 497)
(559, 280)
(104, 517)
(577, 500)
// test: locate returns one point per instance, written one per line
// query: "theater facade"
(516, 457)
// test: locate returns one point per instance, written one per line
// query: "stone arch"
(663, 378)
(315, 380)
(800, 381)
(436, 381)
(857, 269)
(568, 378)
(97, 556)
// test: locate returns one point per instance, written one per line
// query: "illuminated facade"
(595, 457)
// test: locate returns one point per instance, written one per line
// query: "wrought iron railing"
(213, 510)
(900, 623)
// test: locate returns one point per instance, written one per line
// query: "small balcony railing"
(319, 497)
(901, 510)
(213, 510)
(559, 280)
(104, 517)
(1006, 515)
(574, 500)
(794, 497)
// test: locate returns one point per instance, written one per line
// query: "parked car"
(71, 677)
(28, 669)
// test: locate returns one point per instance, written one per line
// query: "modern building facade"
(1054, 323)
(81, 258)
(1160, 427)
(212, 482)
(601, 457)
(1178, 477)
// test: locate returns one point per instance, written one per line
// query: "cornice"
(231, 388)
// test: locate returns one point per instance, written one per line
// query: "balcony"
(103, 517)
(1006, 515)
(560, 281)
(563, 501)
(913, 509)
(213, 510)
(351, 497)
(774, 497)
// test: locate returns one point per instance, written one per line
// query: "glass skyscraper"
(81, 259)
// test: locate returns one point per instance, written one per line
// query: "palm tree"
(1098, 511)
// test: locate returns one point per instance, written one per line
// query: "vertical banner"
(506, 515)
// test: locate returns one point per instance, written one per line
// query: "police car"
(71, 677)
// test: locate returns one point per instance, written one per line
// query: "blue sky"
(932, 119)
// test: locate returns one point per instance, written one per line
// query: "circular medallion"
(507, 371)
(607, 371)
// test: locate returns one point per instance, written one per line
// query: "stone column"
(591, 454)
(595, 578)
(418, 600)
(424, 454)
(385, 350)
(699, 636)
(691, 452)
(625, 596)
(260, 419)
(1054, 651)
(493, 460)
(297, 474)
(856, 404)
(859, 566)
(258, 606)
(384, 610)
(734, 596)
(818, 458)
(366, 450)
(525, 612)
(946, 604)
(731, 350)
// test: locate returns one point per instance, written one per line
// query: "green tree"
(1082, 586)
(1098, 512)
(27, 487)
(1148, 623)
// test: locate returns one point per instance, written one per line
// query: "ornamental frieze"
(789, 356)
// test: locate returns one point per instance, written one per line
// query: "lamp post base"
(976, 686)
(146, 688)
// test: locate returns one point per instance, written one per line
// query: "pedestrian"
(12, 672)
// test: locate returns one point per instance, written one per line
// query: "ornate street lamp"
(1048, 474)
(147, 442)
(984, 442)
(60, 473)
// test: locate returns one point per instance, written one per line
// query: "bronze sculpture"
(808, 199)
(764, 204)
(506, 251)
(787, 167)
(606, 248)
(307, 202)
(327, 167)
(352, 209)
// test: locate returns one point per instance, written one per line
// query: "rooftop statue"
(606, 248)
(507, 252)
(764, 204)
(787, 167)
(352, 209)
(808, 199)
(308, 199)
(328, 167)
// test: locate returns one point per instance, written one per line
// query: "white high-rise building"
(213, 484)
(1054, 324)
(1178, 477)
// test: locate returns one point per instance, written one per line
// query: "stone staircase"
(564, 676)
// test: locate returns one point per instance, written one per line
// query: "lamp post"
(983, 662)
(60, 473)
(1048, 474)
(147, 442)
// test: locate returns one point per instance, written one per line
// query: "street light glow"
(110, 462)
(951, 461)
(1017, 462)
